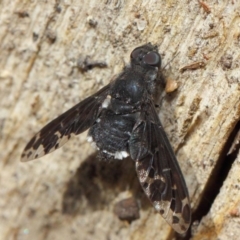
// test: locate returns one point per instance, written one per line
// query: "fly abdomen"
(111, 133)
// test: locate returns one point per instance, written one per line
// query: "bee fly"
(123, 122)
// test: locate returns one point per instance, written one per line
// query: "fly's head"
(147, 61)
(146, 56)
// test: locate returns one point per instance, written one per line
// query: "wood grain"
(69, 194)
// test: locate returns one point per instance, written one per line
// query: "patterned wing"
(74, 121)
(158, 170)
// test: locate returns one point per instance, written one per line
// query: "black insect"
(123, 122)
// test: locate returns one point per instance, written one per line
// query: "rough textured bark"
(69, 194)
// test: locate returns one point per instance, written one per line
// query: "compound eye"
(153, 59)
(135, 53)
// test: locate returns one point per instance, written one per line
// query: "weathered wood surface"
(71, 195)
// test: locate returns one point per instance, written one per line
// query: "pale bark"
(69, 194)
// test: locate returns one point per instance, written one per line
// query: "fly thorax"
(128, 90)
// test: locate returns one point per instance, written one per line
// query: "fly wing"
(73, 122)
(158, 170)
